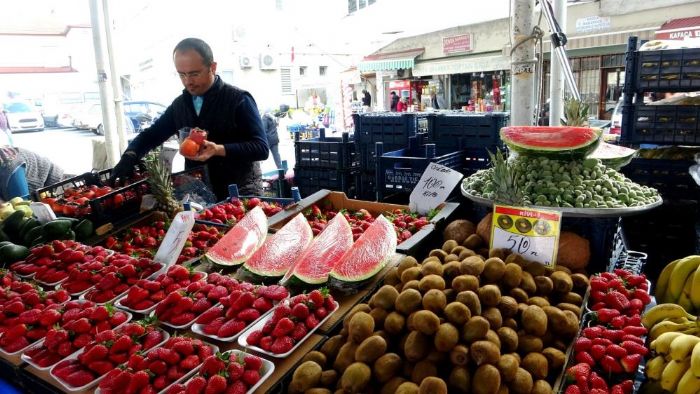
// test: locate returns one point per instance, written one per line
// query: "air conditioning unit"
(268, 61)
(245, 61)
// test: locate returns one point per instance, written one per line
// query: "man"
(236, 138)
(366, 99)
(270, 124)
(394, 101)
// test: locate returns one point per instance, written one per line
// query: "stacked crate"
(325, 163)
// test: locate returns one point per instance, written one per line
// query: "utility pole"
(116, 81)
(106, 96)
(556, 82)
(522, 69)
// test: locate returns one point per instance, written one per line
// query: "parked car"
(143, 113)
(22, 116)
(91, 119)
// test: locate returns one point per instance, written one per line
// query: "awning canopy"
(461, 65)
(606, 39)
(390, 60)
(678, 29)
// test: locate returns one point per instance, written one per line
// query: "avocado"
(56, 229)
(83, 230)
(28, 225)
(11, 253)
(38, 240)
(3, 236)
(31, 234)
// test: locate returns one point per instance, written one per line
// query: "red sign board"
(457, 44)
(678, 29)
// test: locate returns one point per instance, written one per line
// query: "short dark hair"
(197, 45)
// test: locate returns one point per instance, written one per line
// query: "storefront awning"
(390, 60)
(606, 39)
(678, 29)
(461, 65)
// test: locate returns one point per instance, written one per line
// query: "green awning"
(390, 61)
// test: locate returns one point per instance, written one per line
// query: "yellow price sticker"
(531, 233)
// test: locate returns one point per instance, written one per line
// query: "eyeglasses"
(192, 74)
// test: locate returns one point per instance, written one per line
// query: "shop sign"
(433, 188)
(680, 34)
(458, 44)
(532, 233)
(592, 23)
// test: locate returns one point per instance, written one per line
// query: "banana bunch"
(676, 367)
(679, 283)
(669, 318)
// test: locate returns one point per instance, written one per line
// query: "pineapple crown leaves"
(504, 178)
(575, 112)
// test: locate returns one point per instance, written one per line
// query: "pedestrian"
(236, 138)
(270, 123)
(5, 132)
(394, 101)
(39, 171)
(402, 106)
(434, 100)
(366, 99)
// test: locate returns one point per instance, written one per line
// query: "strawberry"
(321, 312)
(617, 300)
(30, 317)
(196, 385)
(582, 344)
(190, 362)
(579, 372)
(252, 362)
(311, 322)
(266, 343)
(618, 322)
(300, 311)
(633, 338)
(238, 387)
(585, 357)
(184, 347)
(573, 390)
(49, 317)
(592, 332)
(79, 378)
(631, 362)
(201, 305)
(597, 382)
(182, 319)
(329, 303)
(230, 328)
(254, 337)
(316, 297)
(641, 295)
(634, 348)
(138, 381)
(213, 327)
(96, 353)
(610, 365)
(99, 313)
(299, 332)
(262, 304)
(617, 389)
(282, 310)
(235, 370)
(616, 351)
(597, 352)
(216, 385)
(276, 292)
(249, 315)
(122, 344)
(101, 367)
(282, 345)
(211, 366)
(118, 318)
(632, 330)
(251, 377)
(283, 327)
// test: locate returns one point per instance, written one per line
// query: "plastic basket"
(667, 124)
(670, 177)
(674, 69)
(468, 130)
(604, 237)
(367, 157)
(326, 152)
(311, 180)
(389, 127)
(475, 160)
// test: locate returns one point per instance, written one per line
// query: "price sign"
(433, 188)
(175, 239)
(532, 233)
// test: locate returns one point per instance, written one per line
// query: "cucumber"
(83, 230)
(30, 235)
(11, 253)
(12, 223)
(56, 228)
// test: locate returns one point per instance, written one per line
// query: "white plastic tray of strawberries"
(243, 338)
(266, 370)
(75, 355)
(199, 329)
(53, 284)
(118, 302)
(84, 294)
(184, 326)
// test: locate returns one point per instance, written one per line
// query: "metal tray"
(577, 212)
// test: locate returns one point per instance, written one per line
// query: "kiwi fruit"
(431, 282)
(394, 323)
(355, 378)
(509, 339)
(486, 380)
(475, 329)
(410, 274)
(434, 300)
(387, 366)
(457, 250)
(484, 352)
(516, 259)
(493, 315)
(544, 285)
(494, 269)
(432, 385)
(451, 270)
(357, 308)
(416, 346)
(407, 388)
(473, 265)
(535, 269)
(572, 298)
(580, 282)
(508, 306)
(562, 282)
(570, 307)
(457, 313)
(331, 347)
(446, 337)
(391, 386)
(408, 301)
(522, 383)
(508, 365)
(346, 356)
(534, 320)
(449, 294)
(305, 377)
(541, 386)
(536, 364)
(422, 370)
(436, 357)
(385, 297)
(329, 378)
(315, 356)
(529, 343)
(411, 284)
(471, 300)
(466, 253)
(459, 355)
(492, 337)
(510, 323)
(370, 349)
(527, 283)
(431, 268)
(439, 253)
(539, 301)
(473, 242)
(318, 390)
(519, 294)
(379, 315)
(426, 322)
(360, 327)
(555, 358)
(405, 263)
(465, 282)
(392, 276)
(451, 257)
(450, 244)
(459, 379)
(570, 328)
(490, 295)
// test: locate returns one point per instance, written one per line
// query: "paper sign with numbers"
(433, 188)
(532, 233)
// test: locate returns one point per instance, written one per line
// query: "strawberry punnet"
(230, 372)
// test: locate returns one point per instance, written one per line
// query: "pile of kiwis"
(458, 322)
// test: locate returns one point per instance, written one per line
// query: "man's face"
(195, 76)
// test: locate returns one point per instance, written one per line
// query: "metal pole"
(558, 43)
(116, 81)
(556, 86)
(108, 119)
(522, 63)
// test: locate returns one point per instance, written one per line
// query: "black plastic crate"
(367, 156)
(311, 180)
(468, 130)
(475, 160)
(667, 124)
(671, 69)
(389, 127)
(670, 177)
(326, 152)
(366, 185)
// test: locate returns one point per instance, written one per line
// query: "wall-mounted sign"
(458, 44)
(592, 23)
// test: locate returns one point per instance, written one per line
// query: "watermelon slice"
(279, 252)
(556, 142)
(240, 242)
(314, 265)
(370, 253)
(613, 156)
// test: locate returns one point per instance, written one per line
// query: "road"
(71, 149)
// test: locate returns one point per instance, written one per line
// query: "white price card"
(43, 212)
(175, 239)
(433, 188)
(532, 233)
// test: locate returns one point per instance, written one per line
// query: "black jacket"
(231, 118)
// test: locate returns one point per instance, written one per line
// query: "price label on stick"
(175, 239)
(433, 188)
(532, 233)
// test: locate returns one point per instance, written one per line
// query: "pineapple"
(161, 187)
(503, 177)
(575, 112)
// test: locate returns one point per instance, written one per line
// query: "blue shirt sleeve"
(255, 147)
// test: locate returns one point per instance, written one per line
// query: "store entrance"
(611, 84)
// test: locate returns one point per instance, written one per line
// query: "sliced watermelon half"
(613, 156)
(561, 142)
(240, 242)
(314, 265)
(278, 253)
(370, 253)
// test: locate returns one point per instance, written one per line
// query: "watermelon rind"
(291, 240)
(614, 156)
(376, 246)
(556, 142)
(254, 224)
(333, 242)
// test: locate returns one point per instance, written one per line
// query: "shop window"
(302, 71)
(352, 6)
(362, 4)
(322, 70)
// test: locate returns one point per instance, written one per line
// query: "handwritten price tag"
(175, 239)
(433, 188)
(532, 233)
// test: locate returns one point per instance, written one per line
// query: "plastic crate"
(367, 156)
(475, 160)
(668, 70)
(326, 152)
(670, 177)
(311, 180)
(390, 127)
(400, 171)
(667, 124)
(468, 130)
(365, 185)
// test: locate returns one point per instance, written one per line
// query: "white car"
(22, 116)
(91, 119)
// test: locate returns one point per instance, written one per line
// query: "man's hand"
(208, 150)
(124, 169)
